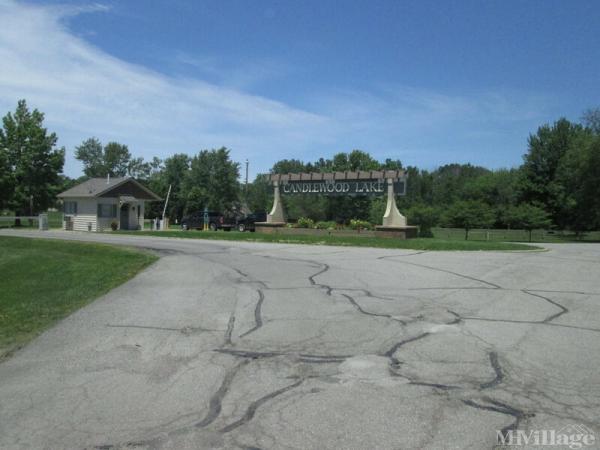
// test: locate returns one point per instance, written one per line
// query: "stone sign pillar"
(277, 214)
(392, 217)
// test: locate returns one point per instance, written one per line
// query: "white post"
(166, 203)
(43, 222)
(392, 217)
(277, 214)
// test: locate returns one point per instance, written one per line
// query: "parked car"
(216, 221)
(247, 222)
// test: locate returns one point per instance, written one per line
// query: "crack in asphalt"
(311, 278)
(531, 322)
(445, 387)
(497, 370)
(249, 414)
(184, 330)
(257, 314)
(437, 269)
(229, 331)
(395, 347)
(501, 408)
(306, 357)
(214, 407)
(368, 313)
(405, 254)
(564, 310)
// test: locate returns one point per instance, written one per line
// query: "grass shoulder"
(431, 244)
(43, 281)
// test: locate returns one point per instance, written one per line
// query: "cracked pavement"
(226, 345)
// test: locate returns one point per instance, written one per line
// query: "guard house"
(97, 203)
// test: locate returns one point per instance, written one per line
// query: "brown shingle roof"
(94, 187)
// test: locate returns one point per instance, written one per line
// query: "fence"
(54, 218)
(514, 235)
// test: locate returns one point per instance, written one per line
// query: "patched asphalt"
(224, 345)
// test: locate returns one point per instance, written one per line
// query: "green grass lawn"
(414, 244)
(42, 281)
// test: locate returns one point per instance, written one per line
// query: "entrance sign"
(373, 182)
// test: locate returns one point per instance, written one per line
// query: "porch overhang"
(127, 199)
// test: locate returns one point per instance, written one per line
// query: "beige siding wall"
(87, 210)
(86, 214)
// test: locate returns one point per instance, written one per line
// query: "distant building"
(99, 202)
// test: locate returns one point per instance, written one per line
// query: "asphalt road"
(231, 345)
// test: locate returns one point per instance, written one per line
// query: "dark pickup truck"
(216, 221)
(247, 222)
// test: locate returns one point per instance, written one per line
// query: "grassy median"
(43, 281)
(354, 241)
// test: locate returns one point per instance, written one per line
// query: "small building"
(98, 203)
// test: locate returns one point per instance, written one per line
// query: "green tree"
(259, 196)
(528, 217)
(170, 172)
(468, 215)
(34, 164)
(7, 180)
(591, 120)
(288, 166)
(540, 183)
(426, 217)
(578, 183)
(91, 154)
(113, 159)
(212, 182)
(117, 159)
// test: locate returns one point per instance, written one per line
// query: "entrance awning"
(127, 199)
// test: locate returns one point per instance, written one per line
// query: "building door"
(124, 225)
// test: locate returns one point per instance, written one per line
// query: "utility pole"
(246, 175)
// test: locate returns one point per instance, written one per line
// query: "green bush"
(326, 225)
(305, 222)
(425, 217)
(357, 224)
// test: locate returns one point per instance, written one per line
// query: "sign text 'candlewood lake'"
(335, 187)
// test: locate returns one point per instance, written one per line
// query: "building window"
(107, 210)
(70, 207)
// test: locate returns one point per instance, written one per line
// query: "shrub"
(357, 224)
(425, 217)
(326, 225)
(305, 222)
(114, 225)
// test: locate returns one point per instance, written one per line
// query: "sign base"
(269, 227)
(407, 232)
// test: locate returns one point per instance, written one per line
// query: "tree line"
(557, 185)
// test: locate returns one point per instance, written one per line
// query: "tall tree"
(33, 161)
(173, 172)
(7, 179)
(212, 181)
(113, 159)
(539, 183)
(578, 183)
(91, 154)
(591, 120)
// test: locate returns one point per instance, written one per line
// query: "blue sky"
(426, 82)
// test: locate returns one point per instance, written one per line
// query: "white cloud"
(86, 92)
